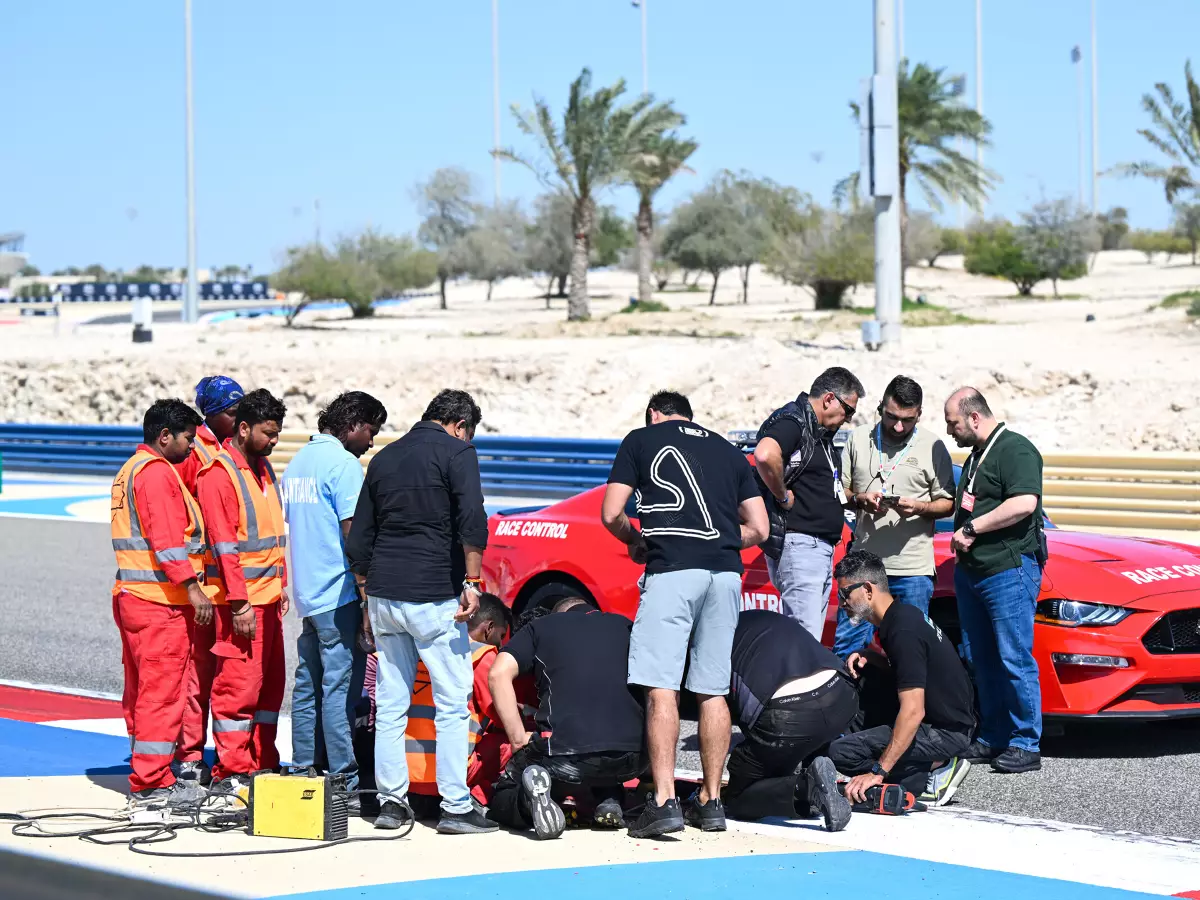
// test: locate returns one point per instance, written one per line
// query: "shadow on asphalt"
(1124, 740)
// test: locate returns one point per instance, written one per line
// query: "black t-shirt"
(689, 485)
(579, 660)
(769, 650)
(922, 657)
(817, 511)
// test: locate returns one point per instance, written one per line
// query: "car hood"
(1123, 570)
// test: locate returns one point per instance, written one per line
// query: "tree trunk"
(712, 297)
(1054, 283)
(645, 230)
(442, 289)
(578, 308)
(745, 284)
(489, 293)
(562, 286)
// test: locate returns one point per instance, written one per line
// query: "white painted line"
(1037, 847)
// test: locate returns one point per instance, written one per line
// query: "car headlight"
(1073, 613)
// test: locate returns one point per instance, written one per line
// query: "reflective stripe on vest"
(260, 540)
(420, 737)
(139, 569)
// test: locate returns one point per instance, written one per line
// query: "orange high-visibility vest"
(260, 538)
(139, 568)
(204, 448)
(420, 737)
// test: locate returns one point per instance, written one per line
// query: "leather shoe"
(1014, 760)
(979, 752)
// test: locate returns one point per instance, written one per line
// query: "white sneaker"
(944, 782)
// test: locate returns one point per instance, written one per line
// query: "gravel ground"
(55, 581)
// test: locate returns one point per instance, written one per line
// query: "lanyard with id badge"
(968, 497)
(838, 491)
(887, 472)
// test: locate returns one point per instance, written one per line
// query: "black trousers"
(764, 770)
(603, 774)
(854, 754)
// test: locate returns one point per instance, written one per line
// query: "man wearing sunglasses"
(798, 472)
(922, 749)
(900, 479)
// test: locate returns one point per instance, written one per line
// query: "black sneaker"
(708, 816)
(1014, 760)
(823, 796)
(608, 814)
(472, 822)
(197, 771)
(549, 821)
(979, 752)
(658, 820)
(393, 815)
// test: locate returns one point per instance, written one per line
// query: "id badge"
(968, 502)
(839, 491)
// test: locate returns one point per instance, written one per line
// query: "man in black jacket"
(790, 696)
(797, 467)
(416, 544)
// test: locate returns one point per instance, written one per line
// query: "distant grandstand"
(12, 255)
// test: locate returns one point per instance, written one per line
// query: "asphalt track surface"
(56, 610)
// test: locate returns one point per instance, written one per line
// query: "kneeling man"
(590, 730)
(921, 750)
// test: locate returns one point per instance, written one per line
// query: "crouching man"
(791, 697)
(591, 730)
(921, 750)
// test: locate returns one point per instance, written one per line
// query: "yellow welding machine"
(299, 806)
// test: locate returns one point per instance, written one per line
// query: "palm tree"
(1174, 132)
(663, 155)
(593, 149)
(932, 119)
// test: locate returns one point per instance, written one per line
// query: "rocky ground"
(1125, 381)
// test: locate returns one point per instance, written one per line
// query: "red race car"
(1117, 631)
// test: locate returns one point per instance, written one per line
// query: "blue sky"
(352, 103)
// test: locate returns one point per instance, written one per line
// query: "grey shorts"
(686, 615)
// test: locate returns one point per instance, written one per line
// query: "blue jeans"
(804, 576)
(329, 681)
(404, 634)
(915, 590)
(996, 614)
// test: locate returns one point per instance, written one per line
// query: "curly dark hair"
(260, 406)
(450, 407)
(349, 410)
(173, 415)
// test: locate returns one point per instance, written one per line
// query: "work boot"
(197, 770)
(608, 814)
(465, 823)
(1014, 760)
(235, 790)
(823, 795)
(979, 752)
(150, 798)
(656, 820)
(549, 821)
(708, 816)
(393, 814)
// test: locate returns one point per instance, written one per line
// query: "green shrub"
(650, 306)
(1182, 298)
(993, 249)
(1194, 309)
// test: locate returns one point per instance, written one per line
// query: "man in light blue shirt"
(320, 490)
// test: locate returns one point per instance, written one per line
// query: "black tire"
(549, 594)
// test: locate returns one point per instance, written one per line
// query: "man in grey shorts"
(699, 506)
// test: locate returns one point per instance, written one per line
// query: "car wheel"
(549, 594)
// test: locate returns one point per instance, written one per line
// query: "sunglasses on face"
(844, 593)
(850, 410)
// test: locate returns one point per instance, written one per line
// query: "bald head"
(969, 419)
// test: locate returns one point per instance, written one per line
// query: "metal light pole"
(191, 303)
(1095, 123)
(641, 4)
(1076, 59)
(885, 176)
(900, 31)
(979, 88)
(496, 97)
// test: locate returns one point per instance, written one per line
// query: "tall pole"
(645, 55)
(979, 87)
(886, 175)
(1077, 59)
(191, 304)
(496, 97)
(1095, 123)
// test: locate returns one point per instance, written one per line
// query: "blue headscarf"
(215, 393)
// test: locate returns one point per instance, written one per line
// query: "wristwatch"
(879, 770)
(969, 529)
(473, 584)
